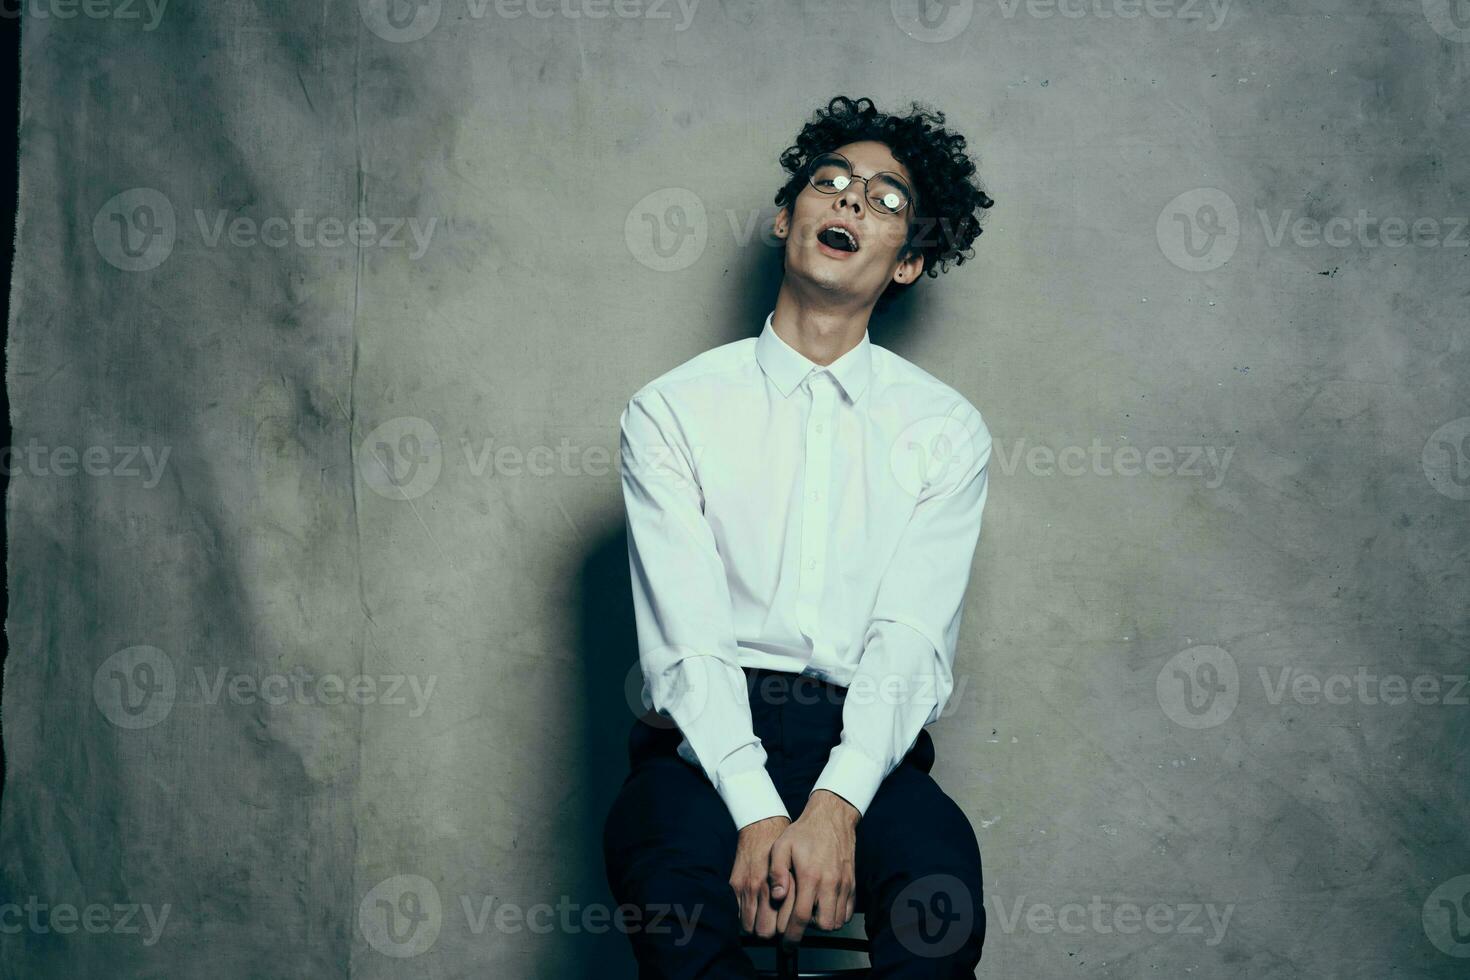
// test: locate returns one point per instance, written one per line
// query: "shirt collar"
(787, 367)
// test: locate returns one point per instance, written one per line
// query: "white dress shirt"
(806, 519)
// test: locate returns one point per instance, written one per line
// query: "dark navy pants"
(669, 846)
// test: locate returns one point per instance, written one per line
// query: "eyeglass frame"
(811, 175)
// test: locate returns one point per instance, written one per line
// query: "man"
(803, 509)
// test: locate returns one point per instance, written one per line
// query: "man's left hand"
(812, 867)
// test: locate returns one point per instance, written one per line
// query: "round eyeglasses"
(886, 193)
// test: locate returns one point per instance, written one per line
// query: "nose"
(854, 195)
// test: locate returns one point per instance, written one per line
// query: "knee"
(946, 902)
(661, 818)
(943, 844)
(681, 885)
(679, 912)
(931, 896)
(659, 877)
(940, 916)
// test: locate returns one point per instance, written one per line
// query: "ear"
(782, 225)
(909, 268)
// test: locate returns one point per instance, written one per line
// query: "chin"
(825, 277)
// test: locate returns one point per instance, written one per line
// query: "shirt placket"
(814, 524)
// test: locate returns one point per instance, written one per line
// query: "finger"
(747, 911)
(788, 905)
(765, 915)
(740, 898)
(779, 878)
(828, 907)
(801, 915)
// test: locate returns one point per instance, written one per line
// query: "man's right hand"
(751, 875)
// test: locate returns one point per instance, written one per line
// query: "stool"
(787, 965)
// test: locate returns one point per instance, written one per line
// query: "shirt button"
(819, 427)
(812, 563)
(816, 495)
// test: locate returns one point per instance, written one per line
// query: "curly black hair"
(945, 218)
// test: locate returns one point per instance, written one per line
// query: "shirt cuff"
(751, 796)
(851, 775)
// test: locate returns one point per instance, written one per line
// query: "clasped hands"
(806, 866)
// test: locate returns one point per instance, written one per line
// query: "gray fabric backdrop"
(324, 316)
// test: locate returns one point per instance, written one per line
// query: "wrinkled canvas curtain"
(322, 658)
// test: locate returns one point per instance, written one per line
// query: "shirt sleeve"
(682, 607)
(906, 672)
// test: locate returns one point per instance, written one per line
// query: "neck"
(820, 332)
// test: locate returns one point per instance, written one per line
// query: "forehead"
(871, 157)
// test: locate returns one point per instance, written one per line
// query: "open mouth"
(839, 238)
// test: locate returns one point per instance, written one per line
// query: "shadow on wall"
(608, 643)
